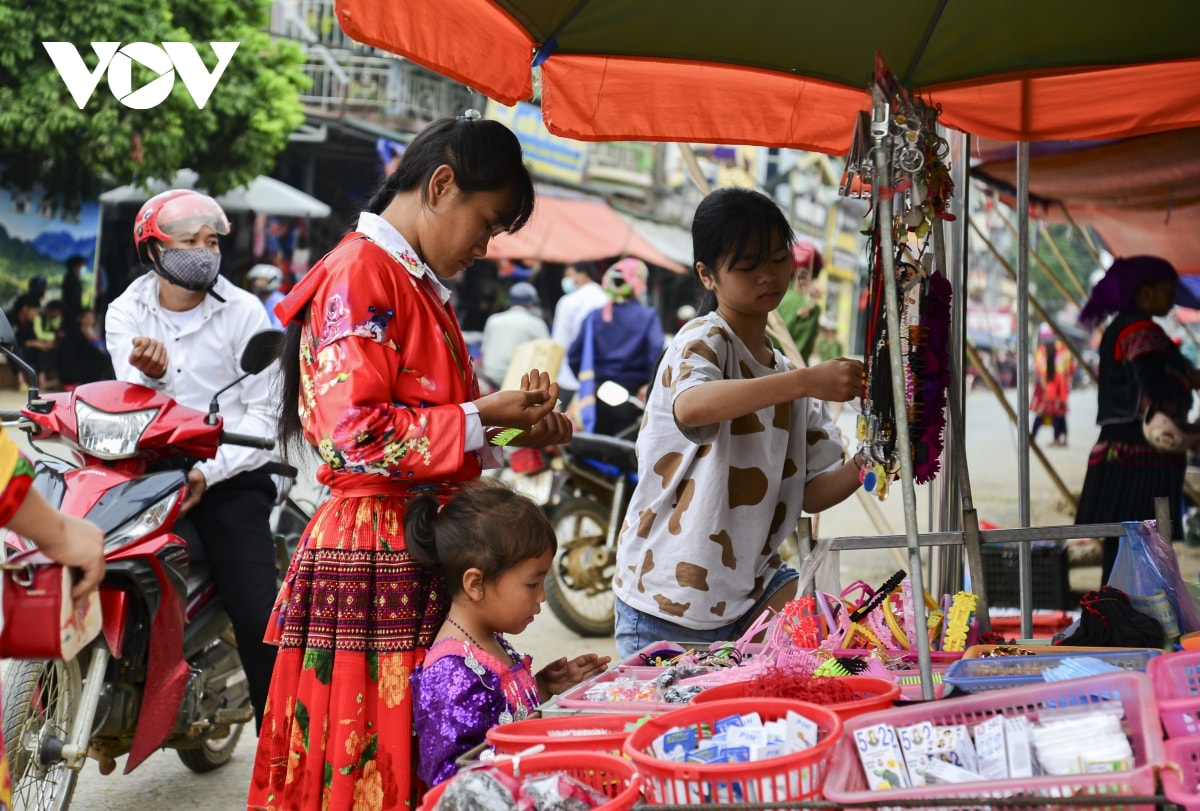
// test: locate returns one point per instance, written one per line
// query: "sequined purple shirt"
(454, 705)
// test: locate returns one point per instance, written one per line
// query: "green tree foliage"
(74, 154)
(1079, 258)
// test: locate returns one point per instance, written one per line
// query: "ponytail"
(420, 531)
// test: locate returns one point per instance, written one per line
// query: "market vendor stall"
(616, 69)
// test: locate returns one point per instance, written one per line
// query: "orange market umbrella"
(792, 74)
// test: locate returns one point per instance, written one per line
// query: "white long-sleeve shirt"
(568, 320)
(203, 355)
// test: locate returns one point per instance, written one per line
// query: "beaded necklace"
(514, 697)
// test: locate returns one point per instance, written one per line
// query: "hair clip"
(470, 115)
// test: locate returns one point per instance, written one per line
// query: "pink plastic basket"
(1181, 775)
(573, 699)
(1176, 675)
(1176, 678)
(847, 783)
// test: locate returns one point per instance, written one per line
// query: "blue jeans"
(637, 629)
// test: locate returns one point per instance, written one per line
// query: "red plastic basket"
(847, 784)
(873, 692)
(508, 739)
(1176, 678)
(798, 776)
(614, 777)
(1181, 775)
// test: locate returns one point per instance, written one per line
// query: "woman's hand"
(839, 380)
(563, 674)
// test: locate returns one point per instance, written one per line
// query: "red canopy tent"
(570, 229)
(1142, 195)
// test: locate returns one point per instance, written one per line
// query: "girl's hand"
(839, 380)
(533, 380)
(564, 674)
(553, 429)
(515, 409)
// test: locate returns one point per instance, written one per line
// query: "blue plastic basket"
(1000, 672)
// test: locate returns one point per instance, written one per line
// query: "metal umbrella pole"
(880, 191)
(1025, 554)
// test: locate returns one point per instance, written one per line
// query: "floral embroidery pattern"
(381, 388)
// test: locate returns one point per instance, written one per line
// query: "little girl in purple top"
(494, 549)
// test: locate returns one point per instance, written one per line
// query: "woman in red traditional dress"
(1054, 367)
(379, 369)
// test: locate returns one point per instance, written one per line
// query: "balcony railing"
(349, 77)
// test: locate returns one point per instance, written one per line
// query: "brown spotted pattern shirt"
(712, 504)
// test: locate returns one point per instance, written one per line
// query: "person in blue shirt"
(626, 342)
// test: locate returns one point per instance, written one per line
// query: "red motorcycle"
(165, 671)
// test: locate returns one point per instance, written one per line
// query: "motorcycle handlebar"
(281, 469)
(260, 442)
(9, 415)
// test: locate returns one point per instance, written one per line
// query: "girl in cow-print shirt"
(736, 441)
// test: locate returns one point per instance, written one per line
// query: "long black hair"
(485, 526)
(735, 222)
(485, 156)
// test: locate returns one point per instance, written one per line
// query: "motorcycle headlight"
(146, 522)
(110, 436)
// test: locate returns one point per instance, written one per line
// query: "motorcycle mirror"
(261, 350)
(8, 338)
(8, 346)
(612, 394)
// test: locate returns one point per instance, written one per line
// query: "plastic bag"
(1147, 564)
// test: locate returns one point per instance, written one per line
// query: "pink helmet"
(177, 213)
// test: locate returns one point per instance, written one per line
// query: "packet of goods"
(881, 757)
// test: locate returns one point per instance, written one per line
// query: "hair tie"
(470, 115)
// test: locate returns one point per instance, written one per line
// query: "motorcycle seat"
(619, 452)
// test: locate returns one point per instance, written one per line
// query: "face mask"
(190, 268)
(568, 284)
